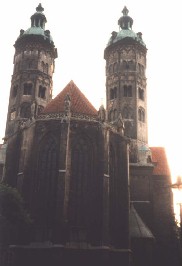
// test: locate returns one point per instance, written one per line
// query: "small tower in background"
(126, 91)
(31, 85)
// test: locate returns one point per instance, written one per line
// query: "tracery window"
(81, 185)
(46, 186)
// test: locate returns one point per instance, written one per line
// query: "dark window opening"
(13, 114)
(27, 90)
(113, 93)
(127, 91)
(40, 109)
(141, 94)
(25, 111)
(115, 67)
(14, 91)
(42, 92)
(141, 115)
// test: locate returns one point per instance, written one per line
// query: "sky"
(81, 30)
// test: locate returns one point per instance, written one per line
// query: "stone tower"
(31, 85)
(126, 91)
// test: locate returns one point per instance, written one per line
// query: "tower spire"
(125, 22)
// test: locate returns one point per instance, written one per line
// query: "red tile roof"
(79, 103)
(160, 159)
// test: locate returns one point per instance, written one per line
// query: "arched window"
(113, 93)
(127, 91)
(115, 114)
(14, 91)
(113, 188)
(46, 186)
(40, 109)
(42, 92)
(81, 188)
(125, 64)
(115, 67)
(46, 69)
(141, 94)
(25, 110)
(27, 89)
(125, 113)
(141, 114)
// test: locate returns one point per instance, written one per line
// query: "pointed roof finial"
(125, 22)
(39, 8)
(125, 11)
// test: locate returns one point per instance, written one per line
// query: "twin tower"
(126, 93)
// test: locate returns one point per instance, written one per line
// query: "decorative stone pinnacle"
(39, 8)
(125, 11)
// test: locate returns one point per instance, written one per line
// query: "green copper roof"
(38, 20)
(125, 23)
(38, 31)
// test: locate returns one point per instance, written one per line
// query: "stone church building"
(96, 192)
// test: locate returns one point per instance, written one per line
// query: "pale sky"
(80, 30)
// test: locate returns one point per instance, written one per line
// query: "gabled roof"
(159, 159)
(79, 103)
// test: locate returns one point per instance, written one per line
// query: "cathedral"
(96, 192)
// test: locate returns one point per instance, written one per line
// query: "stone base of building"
(58, 255)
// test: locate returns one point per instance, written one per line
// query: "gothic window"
(125, 64)
(141, 94)
(131, 65)
(113, 93)
(113, 188)
(43, 66)
(127, 91)
(115, 67)
(115, 114)
(125, 113)
(27, 89)
(14, 91)
(111, 115)
(12, 114)
(81, 184)
(42, 92)
(141, 114)
(46, 68)
(46, 185)
(25, 110)
(40, 109)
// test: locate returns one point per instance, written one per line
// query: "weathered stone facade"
(96, 192)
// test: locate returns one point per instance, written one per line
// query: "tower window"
(115, 67)
(27, 89)
(113, 93)
(42, 91)
(14, 91)
(127, 91)
(141, 115)
(13, 114)
(25, 111)
(141, 94)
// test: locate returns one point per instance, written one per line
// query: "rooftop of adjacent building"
(160, 161)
